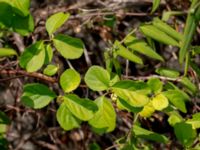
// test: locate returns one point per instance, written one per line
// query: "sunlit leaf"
(66, 119)
(70, 80)
(56, 21)
(4, 52)
(83, 109)
(156, 4)
(141, 47)
(160, 102)
(50, 70)
(158, 35)
(105, 117)
(97, 78)
(125, 53)
(68, 47)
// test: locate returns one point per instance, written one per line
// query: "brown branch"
(22, 73)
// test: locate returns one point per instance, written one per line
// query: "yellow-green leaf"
(70, 80)
(160, 102)
(56, 21)
(4, 52)
(158, 35)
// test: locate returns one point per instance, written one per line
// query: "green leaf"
(4, 52)
(69, 47)
(70, 80)
(141, 47)
(3, 129)
(184, 133)
(190, 28)
(168, 72)
(31, 55)
(134, 98)
(125, 53)
(105, 117)
(37, 95)
(174, 118)
(155, 84)
(188, 84)
(124, 105)
(6, 14)
(177, 98)
(160, 102)
(97, 78)
(4, 118)
(48, 54)
(21, 7)
(56, 21)
(147, 110)
(66, 119)
(138, 86)
(167, 29)
(156, 4)
(149, 135)
(83, 109)
(50, 70)
(23, 25)
(195, 121)
(158, 35)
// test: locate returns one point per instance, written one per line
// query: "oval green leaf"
(56, 21)
(97, 78)
(66, 119)
(69, 47)
(105, 117)
(83, 109)
(37, 95)
(70, 80)
(50, 70)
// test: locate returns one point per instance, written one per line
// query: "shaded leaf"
(177, 98)
(149, 135)
(37, 95)
(184, 133)
(155, 84)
